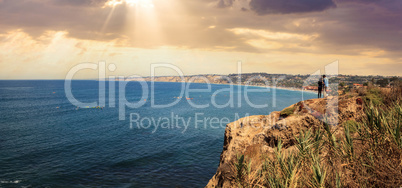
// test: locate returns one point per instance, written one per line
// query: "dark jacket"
(320, 84)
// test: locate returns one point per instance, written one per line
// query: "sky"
(45, 39)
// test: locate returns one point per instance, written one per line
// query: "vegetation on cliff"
(356, 153)
(287, 111)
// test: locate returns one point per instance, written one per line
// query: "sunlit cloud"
(142, 3)
(198, 35)
(265, 39)
(273, 35)
(113, 3)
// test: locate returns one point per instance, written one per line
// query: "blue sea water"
(45, 141)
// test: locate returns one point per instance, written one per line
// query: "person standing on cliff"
(326, 84)
(320, 84)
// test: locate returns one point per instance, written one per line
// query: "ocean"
(46, 141)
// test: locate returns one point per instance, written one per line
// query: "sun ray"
(142, 23)
(143, 3)
(113, 3)
(108, 19)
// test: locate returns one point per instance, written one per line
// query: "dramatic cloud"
(268, 35)
(80, 2)
(225, 3)
(81, 19)
(263, 7)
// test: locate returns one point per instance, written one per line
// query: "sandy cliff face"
(257, 136)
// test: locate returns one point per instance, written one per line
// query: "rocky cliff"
(257, 136)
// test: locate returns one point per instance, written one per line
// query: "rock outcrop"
(257, 136)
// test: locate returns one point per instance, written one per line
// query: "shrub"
(374, 96)
(351, 124)
(287, 111)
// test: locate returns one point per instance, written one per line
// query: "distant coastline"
(272, 87)
(212, 79)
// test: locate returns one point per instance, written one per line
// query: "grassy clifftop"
(302, 147)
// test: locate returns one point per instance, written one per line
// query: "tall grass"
(367, 153)
(282, 171)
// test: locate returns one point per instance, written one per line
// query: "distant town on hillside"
(299, 81)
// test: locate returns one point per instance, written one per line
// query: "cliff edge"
(257, 136)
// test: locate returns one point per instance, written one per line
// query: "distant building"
(313, 88)
(355, 86)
